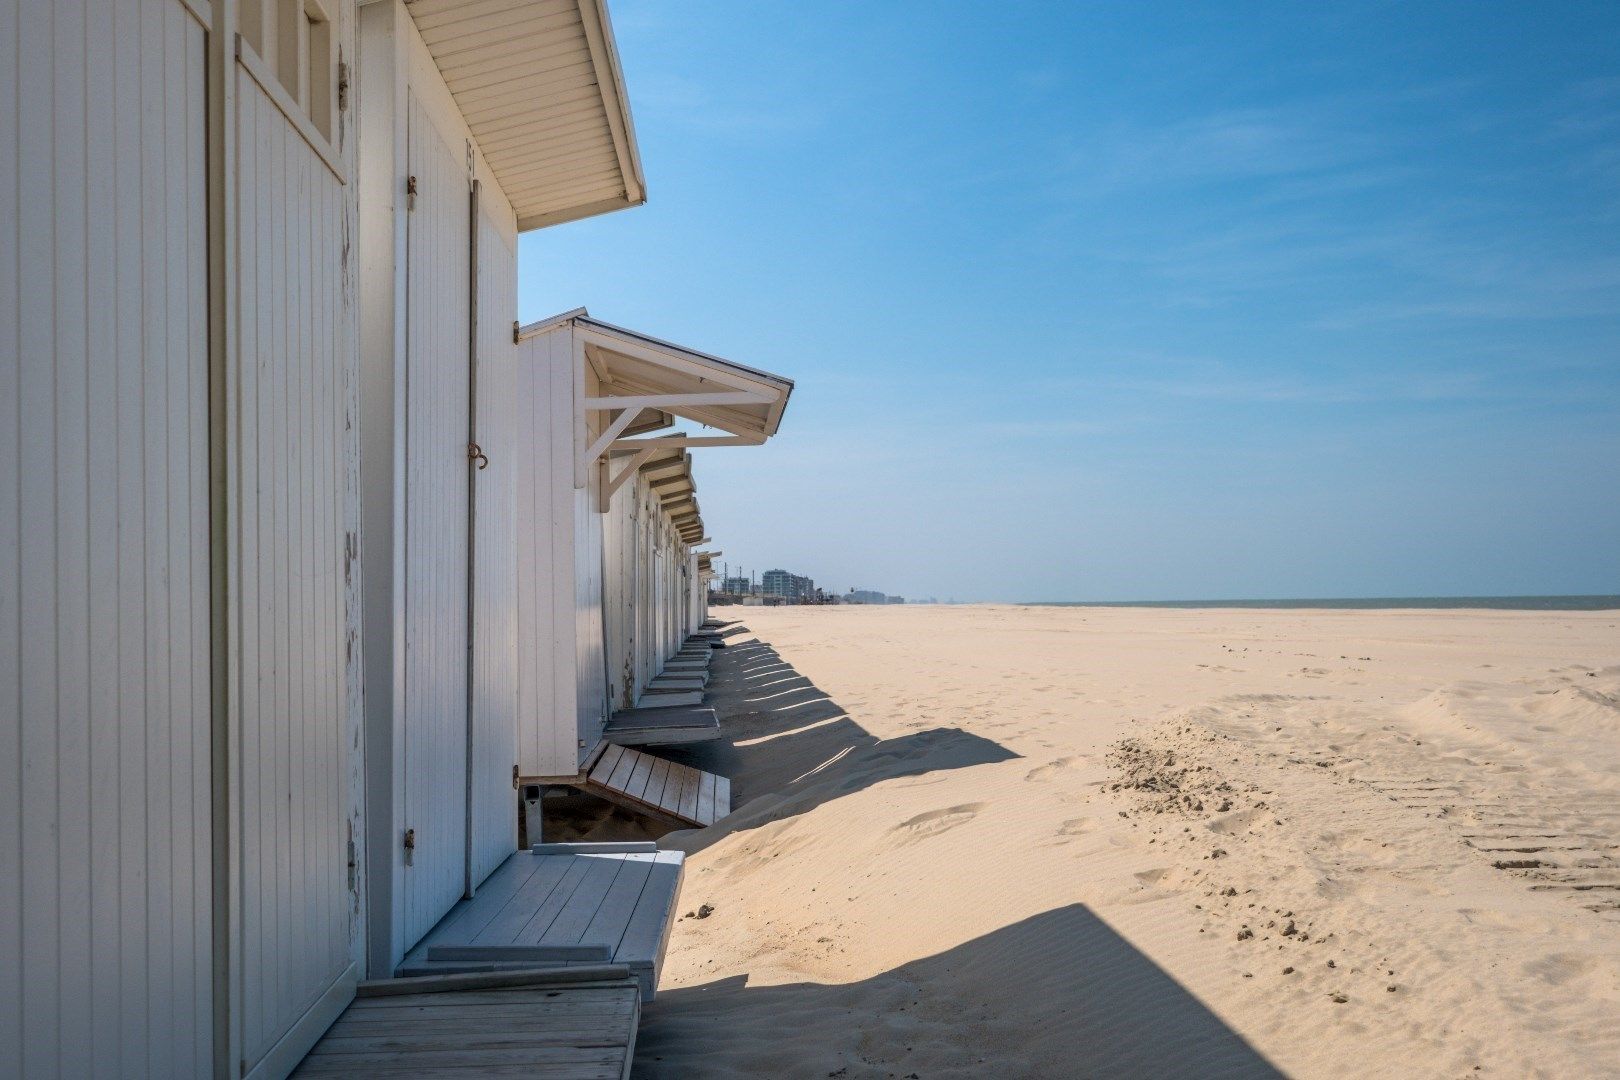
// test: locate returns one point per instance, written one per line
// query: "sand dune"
(1122, 842)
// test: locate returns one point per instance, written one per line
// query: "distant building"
(791, 588)
(894, 600)
(737, 586)
(865, 596)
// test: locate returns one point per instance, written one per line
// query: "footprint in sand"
(1042, 773)
(935, 822)
(1077, 826)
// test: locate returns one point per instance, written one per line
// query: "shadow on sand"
(788, 747)
(1059, 994)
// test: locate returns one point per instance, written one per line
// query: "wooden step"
(533, 1029)
(664, 726)
(660, 697)
(659, 787)
(557, 908)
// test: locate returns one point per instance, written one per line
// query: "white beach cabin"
(608, 586)
(258, 648)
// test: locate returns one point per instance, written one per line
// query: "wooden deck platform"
(559, 910)
(663, 697)
(682, 680)
(666, 726)
(436, 1027)
(658, 787)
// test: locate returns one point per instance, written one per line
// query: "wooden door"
(435, 723)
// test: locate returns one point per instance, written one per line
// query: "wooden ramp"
(658, 787)
(562, 906)
(662, 725)
(511, 1024)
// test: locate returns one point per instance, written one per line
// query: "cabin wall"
(291, 521)
(180, 549)
(439, 531)
(619, 581)
(544, 547)
(590, 671)
(104, 542)
(496, 691)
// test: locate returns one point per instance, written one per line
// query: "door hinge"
(410, 847)
(343, 86)
(516, 332)
(352, 867)
(514, 777)
(410, 193)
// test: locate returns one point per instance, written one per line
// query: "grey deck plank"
(621, 771)
(464, 923)
(647, 933)
(539, 918)
(574, 1034)
(653, 724)
(689, 798)
(705, 802)
(613, 917)
(548, 879)
(607, 762)
(639, 776)
(655, 783)
(569, 925)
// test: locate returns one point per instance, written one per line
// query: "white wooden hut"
(242, 235)
(606, 590)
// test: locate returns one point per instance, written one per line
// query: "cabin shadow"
(789, 747)
(1057, 994)
(786, 746)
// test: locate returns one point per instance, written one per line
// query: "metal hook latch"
(474, 453)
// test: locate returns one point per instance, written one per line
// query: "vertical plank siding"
(435, 711)
(590, 668)
(496, 660)
(105, 873)
(289, 447)
(546, 505)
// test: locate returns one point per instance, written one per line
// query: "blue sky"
(1139, 301)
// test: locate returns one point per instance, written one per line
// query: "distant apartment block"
(793, 588)
(737, 586)
(865, 596)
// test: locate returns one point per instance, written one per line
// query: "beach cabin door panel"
(290, 462)
(435, 725)
(105, 782)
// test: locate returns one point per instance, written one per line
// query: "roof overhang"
(539, 84)
(637, 373)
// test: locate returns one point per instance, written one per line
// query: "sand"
(1010, 842)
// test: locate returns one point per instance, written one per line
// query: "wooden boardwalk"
(658, 787)
(545, 1030)
(557, 910)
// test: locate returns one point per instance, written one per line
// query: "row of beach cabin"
(311, 556)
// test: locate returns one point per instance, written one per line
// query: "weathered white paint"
(495, 686)
(436, 768)
(105, 864)
(435, 550)
(542, 442)
(180, 534)
(289, 451)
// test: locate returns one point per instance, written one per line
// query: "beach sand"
(1001, 841)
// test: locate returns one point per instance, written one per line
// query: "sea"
(1498, 603)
